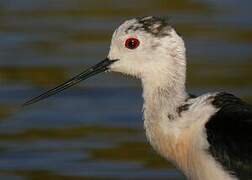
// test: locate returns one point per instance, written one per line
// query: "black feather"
(229, 133)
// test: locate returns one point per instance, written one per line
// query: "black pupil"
(132, 44)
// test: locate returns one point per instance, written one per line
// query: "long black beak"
(98, 68)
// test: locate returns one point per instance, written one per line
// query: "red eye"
(132, 43)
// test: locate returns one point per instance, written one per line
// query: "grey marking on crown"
(156, 26)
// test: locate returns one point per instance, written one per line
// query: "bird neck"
(164, 90)
(162, 96)
(161, 101)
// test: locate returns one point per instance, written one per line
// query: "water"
(94, 130)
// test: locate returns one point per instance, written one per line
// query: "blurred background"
(95, 130)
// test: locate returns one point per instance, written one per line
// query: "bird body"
(181, 138)
(206, 137)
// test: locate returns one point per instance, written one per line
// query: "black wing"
(229, 133)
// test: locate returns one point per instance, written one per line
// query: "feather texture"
(229, 133)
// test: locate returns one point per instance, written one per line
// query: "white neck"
(164, 90)
(162, 95)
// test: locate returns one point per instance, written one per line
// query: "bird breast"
(183, 141)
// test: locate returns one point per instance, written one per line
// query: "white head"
(150, 49)
(147, 48)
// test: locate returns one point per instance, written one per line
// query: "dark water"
(94, 130)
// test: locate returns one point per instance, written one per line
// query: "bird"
(206, 137)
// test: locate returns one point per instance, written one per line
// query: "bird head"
(147, 48)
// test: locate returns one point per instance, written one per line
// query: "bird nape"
(207, 137)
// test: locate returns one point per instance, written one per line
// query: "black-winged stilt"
(208, 137)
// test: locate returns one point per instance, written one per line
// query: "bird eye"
(132, 43)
